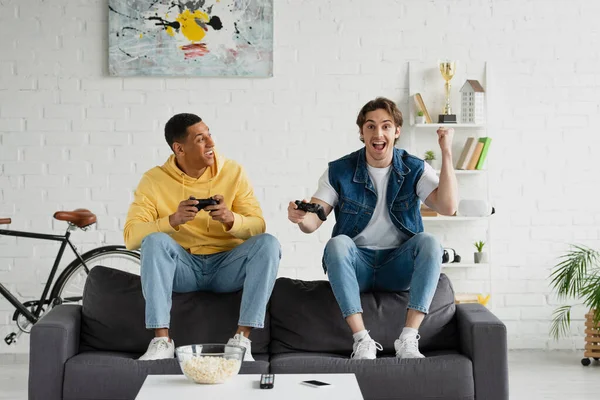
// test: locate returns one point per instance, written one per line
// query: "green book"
(486, 145)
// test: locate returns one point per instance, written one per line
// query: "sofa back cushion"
(306, 317)
(113, 315)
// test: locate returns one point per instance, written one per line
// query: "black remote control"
(312, 207)
(267, 381)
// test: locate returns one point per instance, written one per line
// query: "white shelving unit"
(425, 78)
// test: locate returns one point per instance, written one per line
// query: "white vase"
(420, 119)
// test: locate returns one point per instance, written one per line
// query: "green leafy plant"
(577, 276)
(429, 155)
(479, 245)
(420, 113)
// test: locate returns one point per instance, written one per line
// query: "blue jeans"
(414, 266)
(168, 268)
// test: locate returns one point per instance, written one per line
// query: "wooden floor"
(534, 375)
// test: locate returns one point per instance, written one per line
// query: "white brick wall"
(70, 136)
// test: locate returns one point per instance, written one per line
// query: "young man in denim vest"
(378, 243)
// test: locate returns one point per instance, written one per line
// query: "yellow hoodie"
(160, 191)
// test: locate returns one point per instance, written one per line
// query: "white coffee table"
(246, 387)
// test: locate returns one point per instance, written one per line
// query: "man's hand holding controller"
(295, 214)
(297, 211)
(186, 211)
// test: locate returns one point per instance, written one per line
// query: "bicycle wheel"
(69, 285)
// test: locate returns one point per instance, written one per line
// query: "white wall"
(72, 137)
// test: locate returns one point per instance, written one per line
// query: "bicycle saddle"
(5, 221)
(79, 217)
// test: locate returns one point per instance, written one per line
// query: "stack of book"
(474, 153)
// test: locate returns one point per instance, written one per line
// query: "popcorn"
(206, 369)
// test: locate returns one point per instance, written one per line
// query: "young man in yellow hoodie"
(222, 248)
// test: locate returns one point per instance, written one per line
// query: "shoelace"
(367, 345)
(411, 344)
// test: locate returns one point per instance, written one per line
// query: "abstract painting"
(191, 37)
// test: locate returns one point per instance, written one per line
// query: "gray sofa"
(89, 352)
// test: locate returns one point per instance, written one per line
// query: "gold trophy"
(447, 68)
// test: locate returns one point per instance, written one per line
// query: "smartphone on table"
(315, 383)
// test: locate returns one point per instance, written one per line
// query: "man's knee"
(429, 244)
(338, 249)
(157, 239)
(270, 250)
(340, 245)
(269, 243)
(154, 245)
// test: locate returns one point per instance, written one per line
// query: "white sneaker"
(240, 340)
(409, 347)
(160, 348)
(365, 349)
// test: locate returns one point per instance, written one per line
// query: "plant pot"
(480, 257)
(420, 119)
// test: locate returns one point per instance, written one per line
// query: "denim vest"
(357, 195)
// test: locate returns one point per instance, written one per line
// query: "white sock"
(360, 335)
(408, 332)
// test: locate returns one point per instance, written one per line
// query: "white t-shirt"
(380, 233)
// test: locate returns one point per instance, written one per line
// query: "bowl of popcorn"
(210, 363)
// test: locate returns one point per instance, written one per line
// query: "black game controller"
(312, 207)
(203, 203)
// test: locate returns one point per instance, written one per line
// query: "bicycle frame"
(64, 239)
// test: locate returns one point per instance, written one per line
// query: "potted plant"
(577, 276)
(429, 157)
(480, 256)
(420, 117)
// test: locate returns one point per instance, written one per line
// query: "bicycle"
(68, 287)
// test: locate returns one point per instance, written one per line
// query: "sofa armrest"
(54, 339)
(483, 340)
